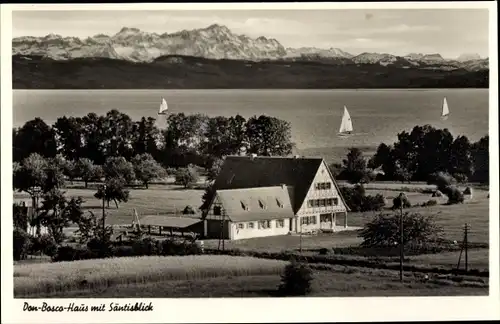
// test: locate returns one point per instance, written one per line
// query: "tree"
(186, 176)
(219, 139)
(115, 190)
(145, 136)
(381, 157)
(384, 230)
(69, 133)
(57, 213)
(336, 169)
(117, 134)
(214, 170)
(296, 280)
(355, 166)
(269, 136)
(87, 171)
(481, 159)
(461, 157)
(206, 199)
(92, 232)
(34, 137)
(21, 244)
(147, 169)
(94, 138)
(67, 167)
(35, 175)
(119, 167)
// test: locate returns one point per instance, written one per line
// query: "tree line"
(187, 139)
(419, 155)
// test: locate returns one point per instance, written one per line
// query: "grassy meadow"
(219, 276)
(229, 276)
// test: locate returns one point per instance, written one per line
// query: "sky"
(449, 32)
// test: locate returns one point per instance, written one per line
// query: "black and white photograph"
(253, 153)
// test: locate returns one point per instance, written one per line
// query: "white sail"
(446, 111)
(163, 107)
(346, 124)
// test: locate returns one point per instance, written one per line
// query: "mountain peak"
(217, 27)
(129, 30)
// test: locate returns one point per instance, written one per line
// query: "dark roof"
(239, 172)
(169, 221)
(253, 204)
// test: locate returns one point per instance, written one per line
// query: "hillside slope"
(186, 72)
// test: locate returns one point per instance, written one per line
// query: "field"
(167, 198)
(218, 276)
(225, 276)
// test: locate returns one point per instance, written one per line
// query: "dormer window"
(244, 205)
(262, 204)
(280, 203)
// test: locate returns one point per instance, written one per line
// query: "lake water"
(377, 115)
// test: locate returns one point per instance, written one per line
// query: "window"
(243, 205)
(323, 186)
(307, 220)
(241, 225)
(280, 203)
(316, 203)
(217, 210)
(309, 203)
(262, 204)
(250, 225)
(335, 201)
(264, 224)
(322, 202)
(280, 223)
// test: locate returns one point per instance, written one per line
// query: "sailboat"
(163, 107)
(445, 110)
(346, 124)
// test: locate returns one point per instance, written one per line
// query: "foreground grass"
(330, 281)
(50, 278)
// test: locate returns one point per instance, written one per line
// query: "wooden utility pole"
(466, 243)
(401, 243)
(464, 248)
(103, 213)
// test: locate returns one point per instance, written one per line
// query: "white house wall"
(238, 234)
(322, 175)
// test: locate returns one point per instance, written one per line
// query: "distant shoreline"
(36, 72)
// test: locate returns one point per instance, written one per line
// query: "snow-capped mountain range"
(212, 42)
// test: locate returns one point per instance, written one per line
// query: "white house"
(263, 196)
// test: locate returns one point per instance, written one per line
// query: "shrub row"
(141, 247)
(358, 262)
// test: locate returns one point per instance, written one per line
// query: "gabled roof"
(253, 204)
(169, 221)
(240, 172)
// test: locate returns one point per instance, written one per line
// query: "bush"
(45, 244)
(146, 246)
(455, 195)
(441, 180)
(376, 203)
(188, 210)
(22, 244)
(69, 253)
(100, 248)
(429, 203)
(296, 280)
(358, 201)
(384, 230)
(396, 202)
(172, 247)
